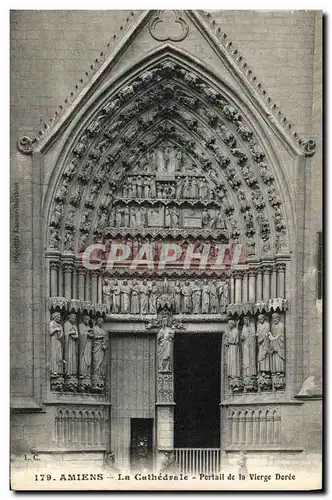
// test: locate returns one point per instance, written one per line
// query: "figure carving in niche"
(71, 349)
(82, 242)
(214, 299)
(263, 340)
(167, 217)
(177, 297)
(125, 297)
(219, 220)
(116, 292)
(196, 297)
(233, 351)
(56, 345)
(248, 338)
(134, 297)
(165, 340)
(179, 187)
(56, 216)
(174, 217)
(85, 344)
(202, 189)
(99, 346)
(186, 292)
(146, 187)
(205, 218)
(69, 241)
(205, 297)
(62, 191)
(153, 189)
(225, 293)
(144, 297)
(153, 297)
(118, 216)
(277, 344)
(186, 188)
(126, 216)
(139, 184)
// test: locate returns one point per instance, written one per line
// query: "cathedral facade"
(166, 238)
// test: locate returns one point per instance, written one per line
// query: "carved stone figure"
(233, 350)
(263, 356)
(165, 340)
(205, 297)
(153, 190)
(125, 297)
(71, 345)
(126, 216)
(248, 338)
(179, 187)
(196, 297)
(214, 299)
(186, 292)
(134, 303)
(226, 293)
(85, 344)
(69, 240)
(202, 189)
(54, 238)
(99, 346)
(277, 345)
(116, 293)
(153, 298)
(56, 216)
(144, 298)
(56, 345)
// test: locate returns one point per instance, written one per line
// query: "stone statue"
(186, 188)
(277, 345)
(186, 292)
(144, 298)
(226, 293)
(214, 299)
(125, 297)
(194, 188)
(233, 351)
(85, 344)
(179, 187)
(196, 297)
(126, 216)
(248, 338)
(165, 287)
(139, 184)
(167, 217)
(177, 297)
(56, 345)
(153, 190)
(146, 187)
(165, 347)
(99, 346)
(153, 298)
(116, 292)
(263, 356)
(205, 297)
(71, 345)
(107, 295)
(134, 297)
(202, 189)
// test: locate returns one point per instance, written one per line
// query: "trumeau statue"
(165, 340)
(56, 345)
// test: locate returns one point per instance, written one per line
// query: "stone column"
(74, 282)
(54, 271)
(274, 282)
(281, 269)
(259, 285)
(100, 289)
(81, 283)
(94, 287)
(252, 285)
(88, 286)
(266, 283)
(245, 298)
(238, 286)
(165, 388)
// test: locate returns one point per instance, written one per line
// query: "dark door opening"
(141, 435)
(197, 390)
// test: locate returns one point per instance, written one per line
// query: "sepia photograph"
(166, 250)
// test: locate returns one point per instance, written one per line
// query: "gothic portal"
(167, 263)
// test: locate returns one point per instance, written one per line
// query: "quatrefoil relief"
(168, 25)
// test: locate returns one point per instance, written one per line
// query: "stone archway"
(169, 157)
